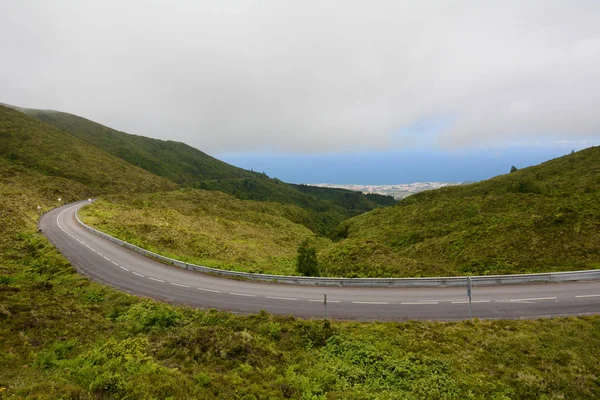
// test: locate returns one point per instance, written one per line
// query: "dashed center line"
(157, 280)
(371, 302)
(321, 301)
(209, 290)
(178, 284)
(588, 295)
(115, 263)
(419, 303)
(473, 301)
(534, 298)
(135, 273)
(281, 298)
(242, 294)
(124, 268)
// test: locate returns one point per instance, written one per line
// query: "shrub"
(306, 261)
(146, 316)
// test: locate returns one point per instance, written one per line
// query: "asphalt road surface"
(113, 265)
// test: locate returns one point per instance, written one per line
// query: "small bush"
(146, 316)
(306, 261)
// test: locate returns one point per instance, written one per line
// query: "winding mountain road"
(113, 265)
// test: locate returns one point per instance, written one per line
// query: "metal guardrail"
(359, 282)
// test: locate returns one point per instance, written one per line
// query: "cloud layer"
(310, 75)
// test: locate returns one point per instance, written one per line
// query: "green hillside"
(65, 337)
(62, 336)
(207, 228)
(39, 147)
(348, 199)
(188, 166)
(542, 218)
(175, 161)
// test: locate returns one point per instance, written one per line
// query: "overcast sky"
(312, 76)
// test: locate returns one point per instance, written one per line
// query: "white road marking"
(154, 279)
(329, 301)
(474, 301)
(106, 258)
(135, 273)
(371, 302)
(535, 298)
(115, 263)
(242, 294)
(178, 284)
(209, 290)
(281, 298)
(124, 268)
(420, 303)
(100, 254)
(589, 295)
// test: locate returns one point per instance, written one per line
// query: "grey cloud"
(309, 75)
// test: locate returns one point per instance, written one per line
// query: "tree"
(306, 260)
(513, 169)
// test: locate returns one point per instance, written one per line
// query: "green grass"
(175, 161)
(39, 147)
(206, 228)
(539, 219)
(62, 336)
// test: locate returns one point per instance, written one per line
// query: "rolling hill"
(175, 161)
(63, 336)
(206, 228)
(542, 218)
(189, 167)
(41, 148)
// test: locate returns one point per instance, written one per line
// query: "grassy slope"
(188, 166)
(541, 218)
(206, 228)
(62, 336)
(175, 161)
(44, 149)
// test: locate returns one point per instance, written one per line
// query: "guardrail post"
(469, 294)
(325, 304)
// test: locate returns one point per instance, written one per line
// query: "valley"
(63, 335)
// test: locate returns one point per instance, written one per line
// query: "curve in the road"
(111, 264)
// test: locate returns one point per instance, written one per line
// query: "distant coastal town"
(398, 191)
